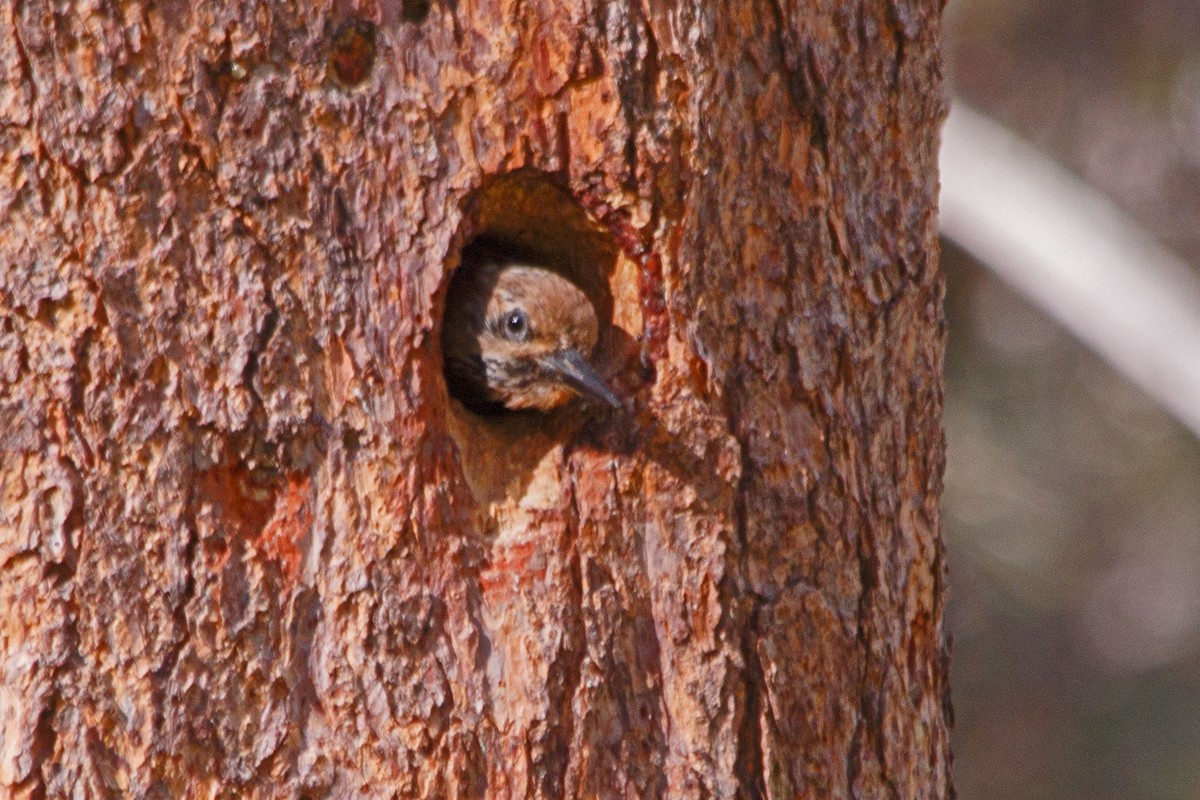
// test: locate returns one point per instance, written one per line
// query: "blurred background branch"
(1071, 251)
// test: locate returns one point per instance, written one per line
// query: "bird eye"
(515, 325)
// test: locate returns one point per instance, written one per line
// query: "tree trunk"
(250, 547)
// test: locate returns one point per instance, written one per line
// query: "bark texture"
(250, 548)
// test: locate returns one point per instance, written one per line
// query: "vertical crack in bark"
(269, 324)
(567, 669)
(804, 80)
(188, 592)
(26, 66)
(866, 714)
(870, 726)
(660, 732)
(636, 78)
(45, 739)
(306, 615)
(750, 764)
(45, 733)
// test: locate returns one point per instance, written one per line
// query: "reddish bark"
(250, 548)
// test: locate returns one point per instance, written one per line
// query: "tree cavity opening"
(525, 217)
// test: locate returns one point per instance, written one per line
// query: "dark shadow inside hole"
(533, 216)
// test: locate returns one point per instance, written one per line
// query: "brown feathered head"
(519, 336)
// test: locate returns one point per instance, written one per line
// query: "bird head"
(521, 336)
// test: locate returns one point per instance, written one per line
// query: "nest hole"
(527, 217)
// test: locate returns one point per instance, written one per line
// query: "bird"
(519, 336)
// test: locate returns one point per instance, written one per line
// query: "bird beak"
(574, 370)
